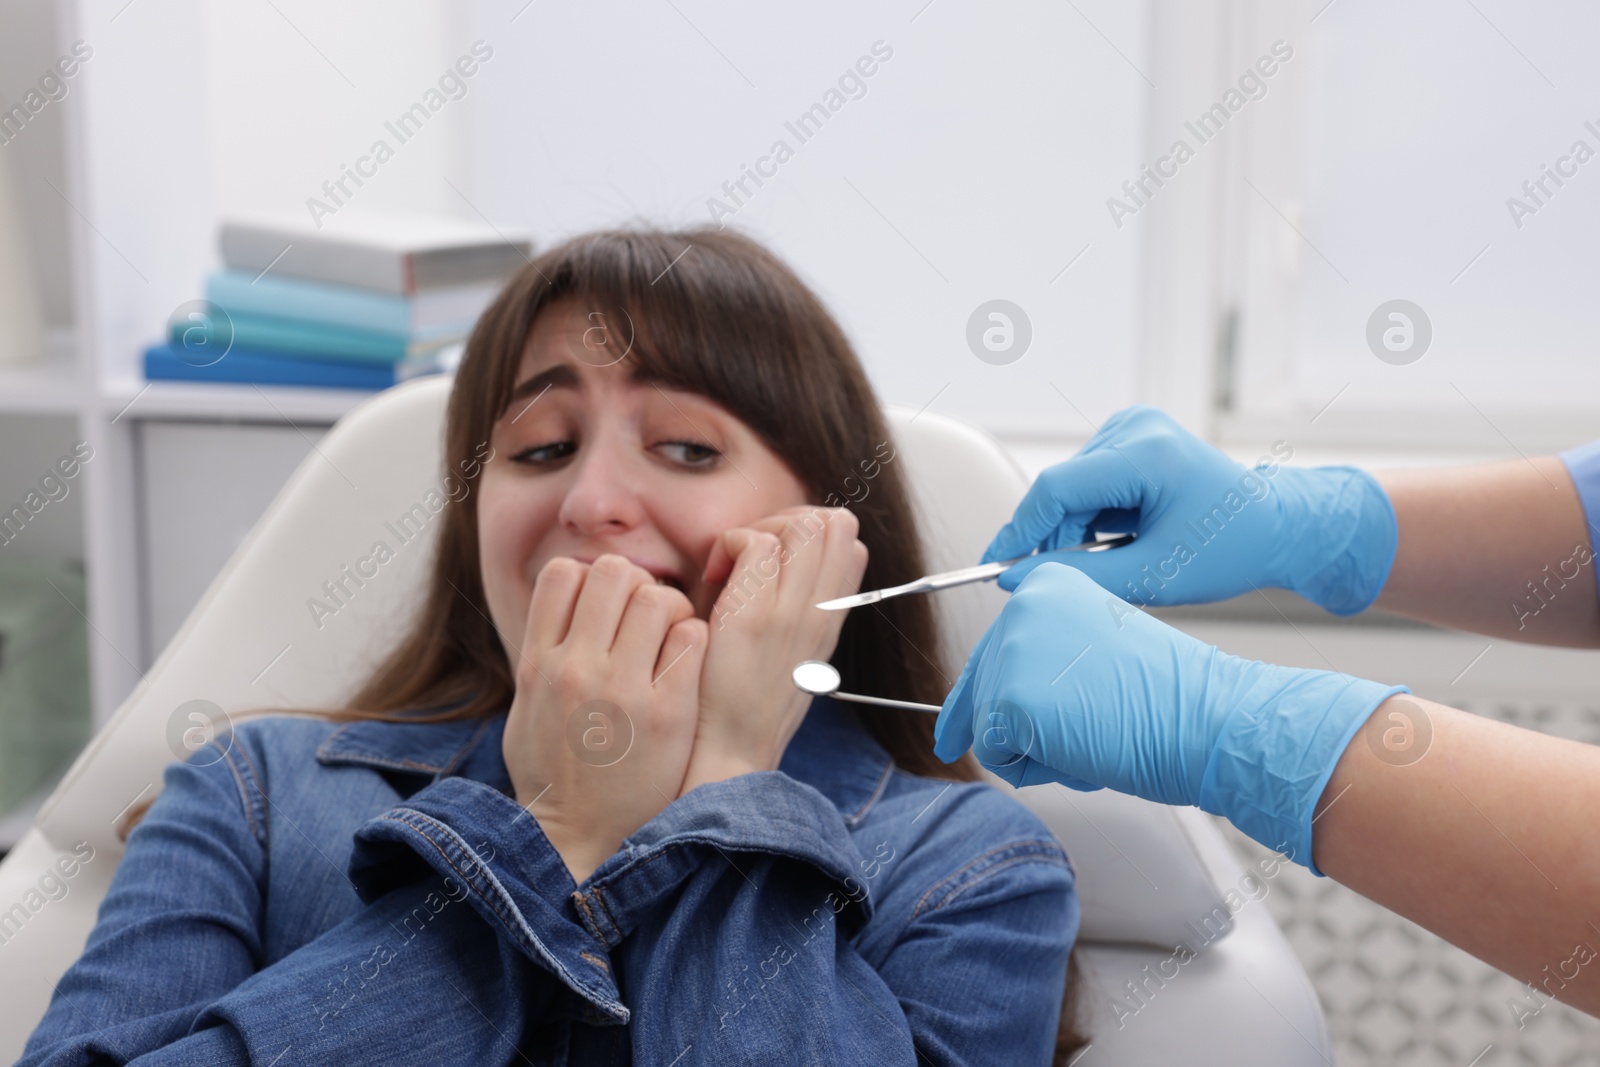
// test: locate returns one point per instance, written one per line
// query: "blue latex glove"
(1070, 684)
(1208, 527)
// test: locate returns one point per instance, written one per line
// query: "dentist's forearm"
(1487, 840)
(1500, 549)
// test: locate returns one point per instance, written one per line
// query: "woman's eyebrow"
(561, 376)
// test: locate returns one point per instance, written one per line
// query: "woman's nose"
(602, 497)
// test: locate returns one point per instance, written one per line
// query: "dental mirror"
(822, 679)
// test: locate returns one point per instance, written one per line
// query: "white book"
(402, 254)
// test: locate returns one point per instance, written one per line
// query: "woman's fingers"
(753, 570)
(818, 556)
(822, 557)
(682, 653)
(651, 612)
(555, 593)
(606, 591)
(841, 564)
(844, 559)
(725, 550)
(805, 533)
(719, 564)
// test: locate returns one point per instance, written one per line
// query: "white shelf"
(139, 399)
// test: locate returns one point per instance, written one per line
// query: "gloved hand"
(1208, 527)
(1072, 685)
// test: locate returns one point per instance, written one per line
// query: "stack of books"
(372, 304)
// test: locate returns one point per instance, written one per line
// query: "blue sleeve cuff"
(1583, 466)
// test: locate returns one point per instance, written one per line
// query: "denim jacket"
(313, 892)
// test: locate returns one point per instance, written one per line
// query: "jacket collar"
(434, 749)
(832, 752)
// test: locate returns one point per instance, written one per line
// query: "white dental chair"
(1149, 877)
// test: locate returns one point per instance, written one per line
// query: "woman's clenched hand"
(764, 622)
(603, 722)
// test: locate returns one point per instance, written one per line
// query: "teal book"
(318, 340)
(441, 313)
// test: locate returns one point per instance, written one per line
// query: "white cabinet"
(202, 487)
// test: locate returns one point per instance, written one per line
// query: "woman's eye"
(550, 453)
(690, 453)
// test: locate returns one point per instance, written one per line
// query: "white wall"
(975, 166)
(988, 141)
(300, 88)
(610, 114)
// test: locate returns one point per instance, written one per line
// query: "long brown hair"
(730, 322)
(714, 313)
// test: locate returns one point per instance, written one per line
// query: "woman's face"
(587, 461)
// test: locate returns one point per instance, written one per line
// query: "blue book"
(444, 313)
(163, 362)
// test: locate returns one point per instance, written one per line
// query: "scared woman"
(580, 815)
